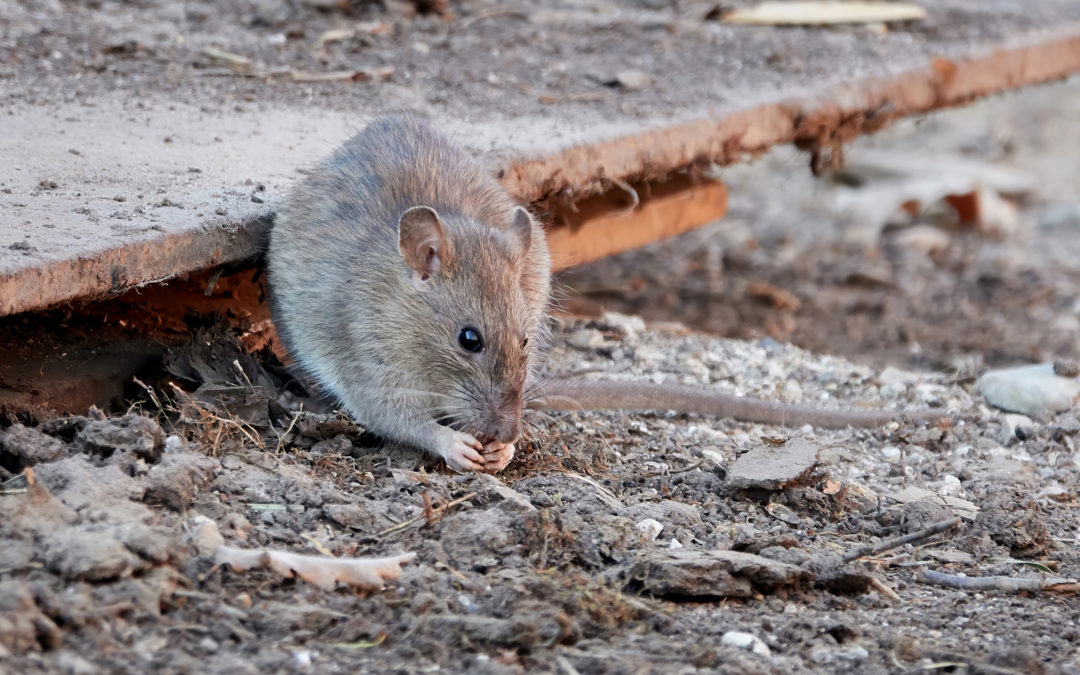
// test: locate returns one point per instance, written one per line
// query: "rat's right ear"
(422, 242)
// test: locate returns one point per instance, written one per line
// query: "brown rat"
(413, 288)
(410, 285)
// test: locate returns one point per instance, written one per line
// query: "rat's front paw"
(497, 456)
(462, 452)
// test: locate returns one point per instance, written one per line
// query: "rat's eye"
(470, 340)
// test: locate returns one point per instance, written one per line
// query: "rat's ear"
(522, 228)
(422, 242)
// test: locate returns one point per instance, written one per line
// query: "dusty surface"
(133, 154)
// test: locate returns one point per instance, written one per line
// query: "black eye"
(470, 340)
(525, 340)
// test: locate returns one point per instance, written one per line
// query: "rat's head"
(479, 295)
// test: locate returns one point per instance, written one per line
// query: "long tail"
(582, 394)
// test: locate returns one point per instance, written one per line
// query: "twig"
(880, 587)
(288, 429)
(425, 515)
(487, 14)
(897, 542)
(998, 583)
(152, 394)
(689, 467)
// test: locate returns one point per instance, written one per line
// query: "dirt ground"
(615, 542)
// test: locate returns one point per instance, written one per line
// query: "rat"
(407, 283)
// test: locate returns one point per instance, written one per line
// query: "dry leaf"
(364, 573)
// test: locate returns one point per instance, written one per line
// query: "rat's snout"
(504, 419)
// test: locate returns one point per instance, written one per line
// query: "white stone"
(891, 454)
(650, 527)
(628, 325)
(923, 238)
(675, 543)
(747, 641)
(1031, 390)
(585, 340)
(950, 486)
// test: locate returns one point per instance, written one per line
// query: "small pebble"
(585, 340)
(1035, 391)
(650, 527)
(747, 641)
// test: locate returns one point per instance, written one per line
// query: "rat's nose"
(504, 422)
(508, 430)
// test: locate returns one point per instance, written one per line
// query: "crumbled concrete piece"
(22, 447)
(353, 516)
(135, 434)
(23, 626)
(839, 656)
(924, 238)
(747, 641)
(585, 340)
(179, 478)
(666, 511)
(960, 507)
(650, 528)
(633, 79)
(627, 325)
(203, 535)
(88, 553)
(711, 574)
(1035, 391)
(773, 467)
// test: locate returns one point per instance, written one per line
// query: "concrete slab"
(102, 191)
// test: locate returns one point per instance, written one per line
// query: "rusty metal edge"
(837, 115)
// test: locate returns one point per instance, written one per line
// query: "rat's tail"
(582, 394)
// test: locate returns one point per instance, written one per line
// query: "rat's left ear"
(422, 243)
(522, 228)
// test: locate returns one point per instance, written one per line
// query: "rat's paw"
(497, 456)
(462, 452)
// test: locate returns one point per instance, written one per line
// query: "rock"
(353, 516)
(1017, 428)
(694, 573)
(21, 447)
(667, 511)
(462, 629)
(203, 535)
(773, 467)
(626, 325)
(1035, 391)
(1063, 215)
(91, 552)
(747, 641)
(923, 238)
(585, 340)
(633, 79)
(179, 478)
(957, 506)
(135, 434)
(843, 657)
(23, 626)
(650, 528)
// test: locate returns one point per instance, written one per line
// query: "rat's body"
(393, 259)
(410, 285)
